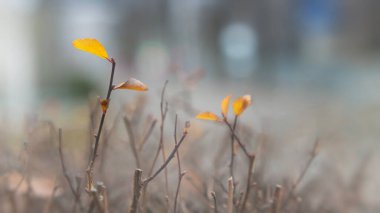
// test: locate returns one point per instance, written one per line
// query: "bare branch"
(90, 167)
(248, 187)
(137, 186)
(180, 173)
(230, 198)
(65, 174)
(132, 141)
(147, 135)
(313, 154)
(242, 146)
(161, 142)
(276, 206)
(170, 157)
(214, 199)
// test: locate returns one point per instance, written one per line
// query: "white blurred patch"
(238, 43)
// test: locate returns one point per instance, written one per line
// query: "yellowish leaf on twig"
(240, 104)
(132, 84)
(224, 105)
(92, 46)
(208, 116)
(103, 104)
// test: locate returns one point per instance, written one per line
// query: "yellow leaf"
(132, 84)
(224, 105)
(240, 104)
(92, 46)
(103, 104)
(208, 116)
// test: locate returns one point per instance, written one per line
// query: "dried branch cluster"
(118, 160)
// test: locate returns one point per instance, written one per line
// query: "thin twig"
(132, 141)
(64, 170)
(147, 135)
(230, 198)
(276, 206)
(102, 197)
(96, 200)
(248, 187)
(91, 127)
(242, 146)
(163, 112)
(90, 167)
(238, 201)
(137, 185)
(313, 154)
(221, 185)
(180, 173)
(78, 192)
(146, 181)
(214, 199)
(232, 154)
(232, 148)
(170, 157)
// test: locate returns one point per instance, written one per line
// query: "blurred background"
(311, 66)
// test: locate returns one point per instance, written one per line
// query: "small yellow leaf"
(224, 105)
(240, 104)
(208, 116)
(103, 104)
(92, 46)
(132, 84)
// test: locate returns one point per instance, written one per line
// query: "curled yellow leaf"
(240, 104)
(103, 104)
(92, 46)
(208, 116)
(132, 84)
(224, 105)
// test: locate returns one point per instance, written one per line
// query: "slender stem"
(248, 188)
(91, 127)
(233, 156)
(102, 197)
(147, 135)
(163, 115)
(78, 182)
(230, 201)
(314, 153)
(170, 157)
(90, 167)
(132, 141)
(180, 173)
(65, 174)
(164, 165)
(276, 206)
(163, 112)
(214, 199)
(242, 146)
(233, 149)
(97, 137)
(137, 185)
